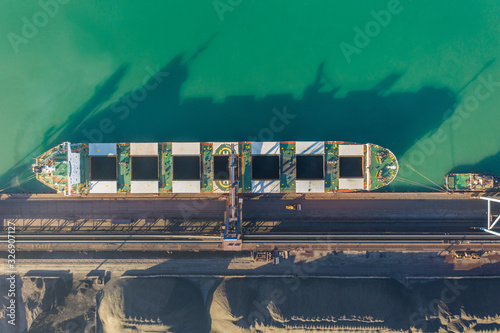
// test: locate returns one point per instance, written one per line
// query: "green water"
(411, 87)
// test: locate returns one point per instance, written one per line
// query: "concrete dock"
(402, 221)
(208, 207)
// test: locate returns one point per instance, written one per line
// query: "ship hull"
(203, 167)
(471, 182)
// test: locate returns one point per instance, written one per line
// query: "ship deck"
(380, 172)
(459, 182)
(266, 167)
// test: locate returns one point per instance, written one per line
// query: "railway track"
(470, 237)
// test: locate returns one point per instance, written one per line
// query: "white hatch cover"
(186, 186)
(186, 148)
(351, 150)
(102, 149)
(310, 186)
(144, 149)
(265, 186)
(101, 186)
(144, 186)
(73, 168)
(265, 148)
(351, 184)
(310, 148)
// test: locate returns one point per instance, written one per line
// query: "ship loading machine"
(232, 217)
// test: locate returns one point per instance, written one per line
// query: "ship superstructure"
(198, 167)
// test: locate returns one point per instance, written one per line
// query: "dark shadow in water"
(487, 65)
(393, 120)
(53, 137)
(490, 164)
(156, 112)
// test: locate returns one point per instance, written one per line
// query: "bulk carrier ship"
(201, 167)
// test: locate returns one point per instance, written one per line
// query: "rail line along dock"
(197, 167)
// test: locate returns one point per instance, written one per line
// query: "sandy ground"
(324, 263)
(310, 292)
(264, 305)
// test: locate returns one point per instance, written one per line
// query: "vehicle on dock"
(471, 182)
(294, 207)
(204, 167)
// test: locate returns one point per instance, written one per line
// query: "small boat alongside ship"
(471, 182)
